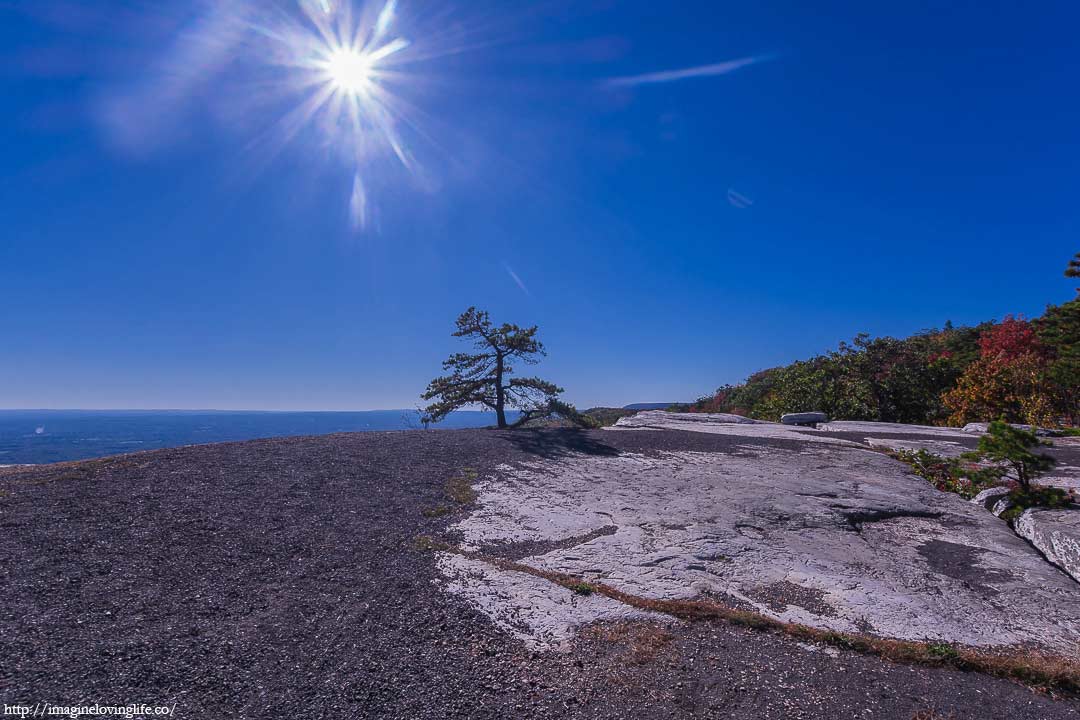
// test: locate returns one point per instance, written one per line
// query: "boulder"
(1056, 534)
(1001, 505)
(989, 497)
(804, 418)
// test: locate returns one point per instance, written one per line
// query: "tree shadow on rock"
(557, 442)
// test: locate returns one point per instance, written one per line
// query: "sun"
(349, 66)
(349, 71)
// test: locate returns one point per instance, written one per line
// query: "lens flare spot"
(349, 70)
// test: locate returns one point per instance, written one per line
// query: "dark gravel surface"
(280, 578)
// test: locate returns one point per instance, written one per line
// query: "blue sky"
(827, 169)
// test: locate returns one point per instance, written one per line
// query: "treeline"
(1026, 371)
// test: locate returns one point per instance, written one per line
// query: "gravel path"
(281, 578)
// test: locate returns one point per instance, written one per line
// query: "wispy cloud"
(664, 76)
(516, 279)
(358, 205)
(737, 199)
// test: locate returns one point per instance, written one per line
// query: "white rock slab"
(722, 424)
(862, 426)
(870, 545)
(1062, 475)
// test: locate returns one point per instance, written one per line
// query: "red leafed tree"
(1009, 339)
(1008, 379)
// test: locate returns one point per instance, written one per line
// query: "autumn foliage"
(1008, 379)
(1025, 371)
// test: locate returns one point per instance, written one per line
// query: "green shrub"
(943, 651)
(1010, 446)
(582, 588)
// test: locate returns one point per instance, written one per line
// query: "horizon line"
(213, 410)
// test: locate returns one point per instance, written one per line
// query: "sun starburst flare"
(339, 81)
(346, 65)
(349, 70)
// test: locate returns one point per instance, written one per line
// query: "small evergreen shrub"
(964, 477)
(1011, 447)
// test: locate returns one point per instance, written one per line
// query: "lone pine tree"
(483, 377)
(1073, 268)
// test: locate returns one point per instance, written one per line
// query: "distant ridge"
(647, 406)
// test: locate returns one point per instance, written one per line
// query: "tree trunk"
(1022, 476)
(500, 396)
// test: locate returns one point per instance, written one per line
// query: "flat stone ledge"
(1056, 534)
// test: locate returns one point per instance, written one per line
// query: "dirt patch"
(639, 643)
(779, 596)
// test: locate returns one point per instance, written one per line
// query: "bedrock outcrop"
(801, 525)
(1056, 534)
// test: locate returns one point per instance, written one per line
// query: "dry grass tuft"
(460, 487)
